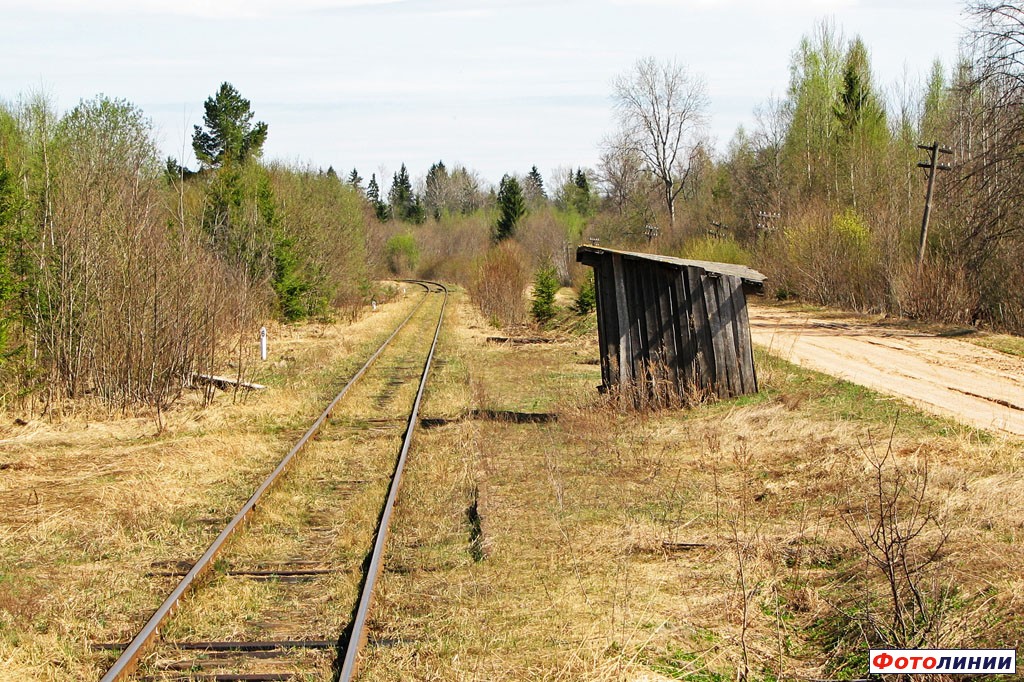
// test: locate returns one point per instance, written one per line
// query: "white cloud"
(206, 9)
(778, 6)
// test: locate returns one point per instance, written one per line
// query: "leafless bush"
(499, 288)
(545, 241)
(828, 258)
(656, 388)
(128, 307)
(940, 291)
(901, 534)
(450, 248)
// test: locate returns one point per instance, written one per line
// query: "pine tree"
(512, 207)
(229, 135)
(331, 173)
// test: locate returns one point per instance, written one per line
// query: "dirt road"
(949, 376)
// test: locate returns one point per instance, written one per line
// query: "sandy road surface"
(949, 376)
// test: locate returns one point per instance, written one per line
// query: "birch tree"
(662, 112)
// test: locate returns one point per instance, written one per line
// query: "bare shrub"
(451, 247)
(547, 241)
(129, 307)
(901, 534)
(940, 290)
(499, 288)
(828, 258)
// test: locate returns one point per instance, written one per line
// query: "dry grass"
(89, 506)
(693, 544)
(699, 544)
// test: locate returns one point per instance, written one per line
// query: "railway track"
(285, 594)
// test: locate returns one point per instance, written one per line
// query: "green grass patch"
(1004, 343)
(840, 399)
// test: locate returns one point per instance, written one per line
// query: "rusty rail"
(357, 629)
(130, 657)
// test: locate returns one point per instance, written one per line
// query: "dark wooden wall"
(662, 324)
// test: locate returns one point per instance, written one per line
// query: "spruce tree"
(512, 207)
(404, 202)
(581, 195)
(858, 107)
(380, 209)
(545, 286)
(355, 180)
(533, 187)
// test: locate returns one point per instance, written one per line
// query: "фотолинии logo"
(943, 661)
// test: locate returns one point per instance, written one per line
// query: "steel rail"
(129, 659)
(357, 632)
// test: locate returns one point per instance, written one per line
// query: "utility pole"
(934, 149)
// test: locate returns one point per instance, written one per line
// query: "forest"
(123, 274)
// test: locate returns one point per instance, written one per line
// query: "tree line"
(121, 275)
(825, 193)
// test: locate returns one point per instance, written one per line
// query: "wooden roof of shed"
(748, 275)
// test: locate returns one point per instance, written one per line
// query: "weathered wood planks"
(671, 326)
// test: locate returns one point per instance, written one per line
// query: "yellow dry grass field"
(542, 533)
(90, 506)
(731, 539)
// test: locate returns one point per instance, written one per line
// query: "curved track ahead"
(345, 665)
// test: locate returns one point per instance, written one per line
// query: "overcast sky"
(495, 85)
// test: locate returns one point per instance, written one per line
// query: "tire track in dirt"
(974, 385)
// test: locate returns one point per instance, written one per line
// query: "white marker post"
(263, 343)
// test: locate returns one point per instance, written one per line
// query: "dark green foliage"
(582, 195)
(545, 286)
(586, 299)
(289, 286)
(858, 105)
(575, 194)
(229, 135)
(511, 207)
(380, 209)
(405, 205)
(533, 187)
(175, 172)
(331, 173)
(355, 180)
(293, 289)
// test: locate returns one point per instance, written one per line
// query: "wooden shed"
(669, 327)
